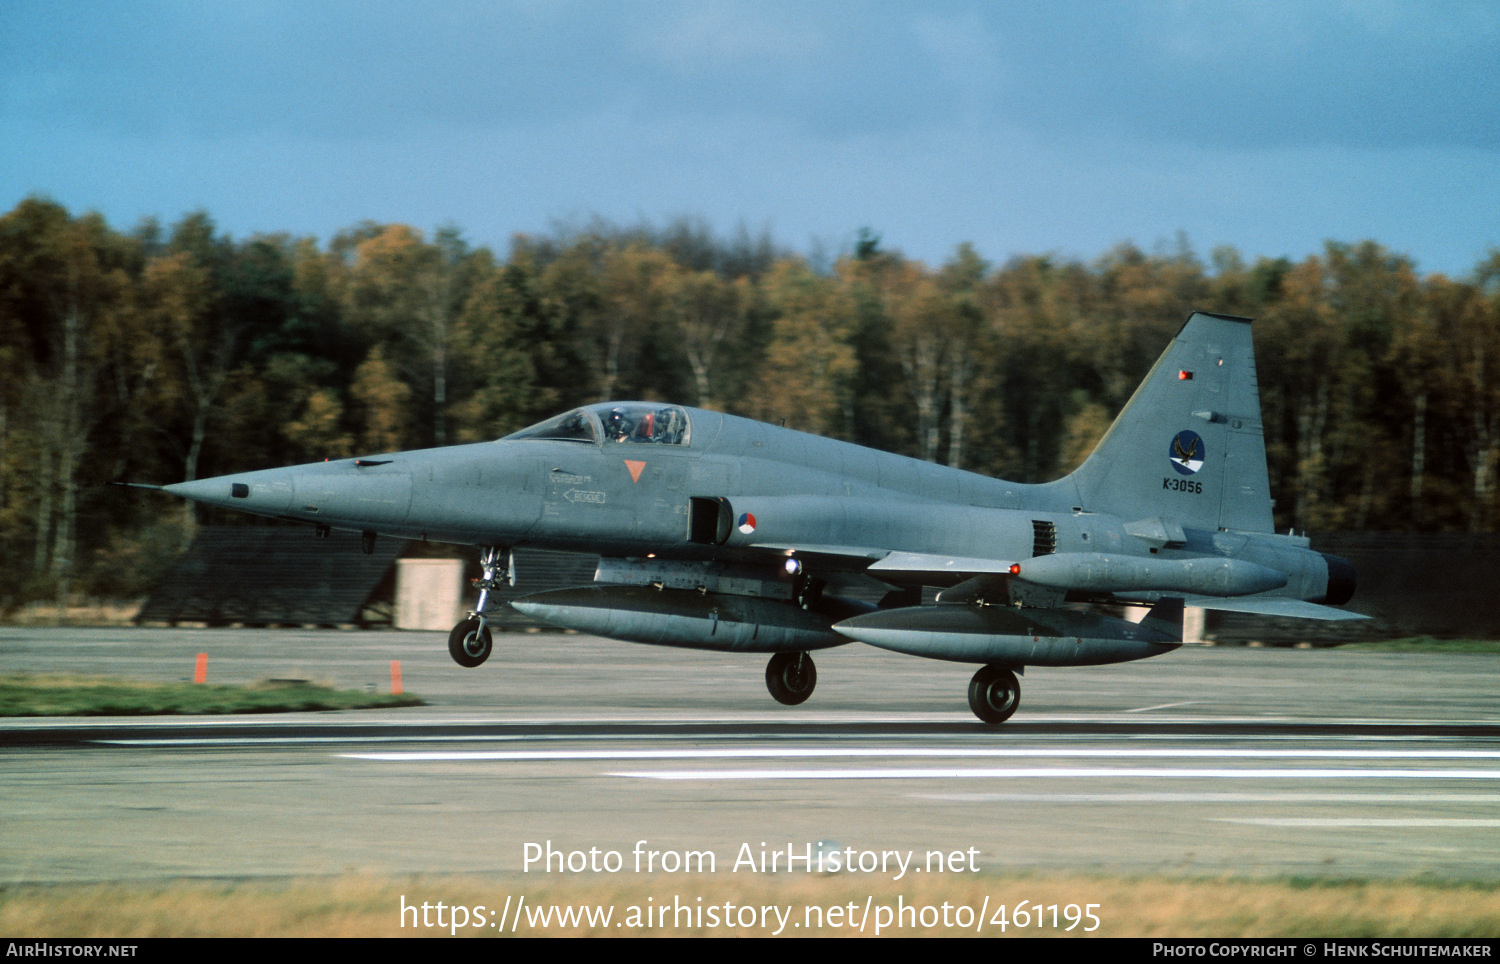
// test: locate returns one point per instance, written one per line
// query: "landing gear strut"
(994, 693)
(791, 677)
(470, 642)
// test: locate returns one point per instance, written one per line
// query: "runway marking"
(1162, 706)
(1373, 822)
(212, 741)
(202, 732)
(796, 753)
(1024, 773)
(1209, 797)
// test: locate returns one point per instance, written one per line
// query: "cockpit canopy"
(632, 422)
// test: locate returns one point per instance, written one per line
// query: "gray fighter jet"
(716, 532)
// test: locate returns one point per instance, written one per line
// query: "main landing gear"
(994, 693)
(791, 677)
(470, 642)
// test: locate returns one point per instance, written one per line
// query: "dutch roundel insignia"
(746, 523)
(1187, 452)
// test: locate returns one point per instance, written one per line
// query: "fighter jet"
(720, 533)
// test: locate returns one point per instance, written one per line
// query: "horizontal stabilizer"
(1273, 606)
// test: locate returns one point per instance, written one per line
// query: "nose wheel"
(791, 677)
(994, 694)
(470, 643)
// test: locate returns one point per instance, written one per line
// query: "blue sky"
(1023, 128)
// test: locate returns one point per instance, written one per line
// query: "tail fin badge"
(1187, 452)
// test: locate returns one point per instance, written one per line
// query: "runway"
(1251, 762)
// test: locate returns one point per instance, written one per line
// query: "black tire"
(791, 677)
(994, 694)
(468, 644)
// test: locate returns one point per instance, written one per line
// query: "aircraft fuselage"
(799, 490)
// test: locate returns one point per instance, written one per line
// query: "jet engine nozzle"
(1341, 580)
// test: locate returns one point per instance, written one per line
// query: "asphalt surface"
(1249, 762)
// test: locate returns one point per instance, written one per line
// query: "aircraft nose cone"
(267, 492)
(203, 490)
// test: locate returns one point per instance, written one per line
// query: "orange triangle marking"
(635, 469)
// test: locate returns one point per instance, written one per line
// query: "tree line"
(169, 353)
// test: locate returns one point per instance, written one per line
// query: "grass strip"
(49, 695)
(353, 906)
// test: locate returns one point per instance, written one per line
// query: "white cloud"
(720, 34)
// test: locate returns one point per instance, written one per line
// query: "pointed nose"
(349, 493)
(264, 493)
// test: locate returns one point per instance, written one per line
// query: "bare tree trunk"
(701, 341)
(1482, 448)
(921, 367)
(699, 363)
(195, 448)
(203, 388)
(1483, 461)
(1311, 459)
(437, 318)
(44, 480)
(960, 368)
(612, 360)
(1418, 457)
(68, 452)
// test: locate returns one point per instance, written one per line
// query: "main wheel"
(469, 644)
(791, 677)
(994, 694)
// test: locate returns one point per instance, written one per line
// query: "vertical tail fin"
(1188, 446)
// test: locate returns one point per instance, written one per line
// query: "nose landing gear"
(470, 643)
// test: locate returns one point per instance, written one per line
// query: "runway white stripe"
(1428, 798)
(1024, 773)
(1371, 822)
(795, 753)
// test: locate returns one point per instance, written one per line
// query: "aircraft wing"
(837, 557)
(881, 562)
(926, 562)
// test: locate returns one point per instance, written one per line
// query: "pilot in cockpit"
(618, 425)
